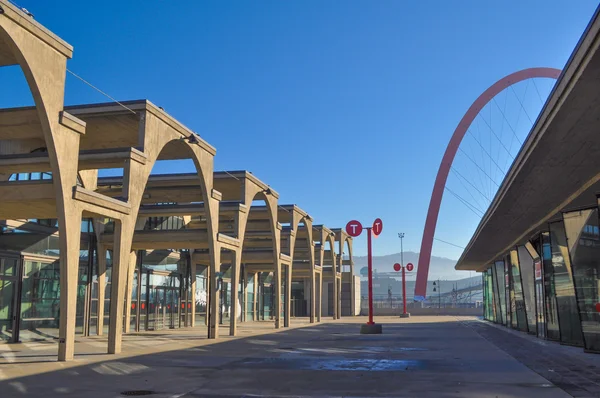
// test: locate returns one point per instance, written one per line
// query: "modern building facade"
(538, 244)
(177, 250)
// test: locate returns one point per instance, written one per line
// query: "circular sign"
(377, 227)
(598, 307)
(397, 267)
(410, 267)
(354, 228)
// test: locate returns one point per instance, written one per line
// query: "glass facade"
(161, 285)
(550, 285)
(30, 280)
(568, 315)
(526, 268)
(583, 237)
(518, 318)
(550, 302)
(501, 287)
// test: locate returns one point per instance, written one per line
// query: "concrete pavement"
(415, 357)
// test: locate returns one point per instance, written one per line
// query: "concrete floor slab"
(418, 356)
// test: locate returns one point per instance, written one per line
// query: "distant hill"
(439, 267)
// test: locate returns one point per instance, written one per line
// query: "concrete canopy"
(556, 165)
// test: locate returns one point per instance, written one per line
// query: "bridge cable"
(486, 174)
(466, 203)
(448, 243)
(522, 106)
(538, 91)
(471, 184)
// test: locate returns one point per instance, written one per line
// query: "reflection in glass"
(583, 237)
(568, 316)
(550, 303)
(499, 294)
(519, 320)
(527, 283)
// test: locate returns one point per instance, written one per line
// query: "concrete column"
(193, 291)
(213, 309)
(208, 284)
(352, 289)
(131, 271)
(319, 296)
(288, 297)
(339, 298)
(255, 299)
(69, 243)
(121, 256)
(101, 288)
(313, 295)
(277, 303)
(335, 294)
(244, 295)
(235, 286)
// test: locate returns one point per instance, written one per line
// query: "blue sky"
(355, 100)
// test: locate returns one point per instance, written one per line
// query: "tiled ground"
(566, 367)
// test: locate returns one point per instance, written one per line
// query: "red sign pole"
(404, 290)
(370, 267)
(354, 229)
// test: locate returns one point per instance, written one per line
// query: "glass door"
(9, 291)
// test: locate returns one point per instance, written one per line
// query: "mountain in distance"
(439, 267)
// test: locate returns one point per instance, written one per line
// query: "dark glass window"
(568, 315)
(519, 320)
(584, 248)
(527, 282)
(550, 303)
(500, 295)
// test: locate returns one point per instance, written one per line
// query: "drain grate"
(137, 393)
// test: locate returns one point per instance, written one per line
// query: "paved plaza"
(420, 356)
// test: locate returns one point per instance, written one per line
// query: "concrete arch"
(444, 170)
(158, 137)
(307, 226)
(328, 237)
(42, 58)
(346, 240)
(252, 192)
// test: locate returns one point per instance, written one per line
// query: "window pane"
(568, 316)
(584, 248)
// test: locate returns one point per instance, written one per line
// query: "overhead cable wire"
(100, 91)
(501, 132)
(488, 185)
(538, 91)
(448, 243)
(466, 203)
(496, 135)
(490, 162)
(484, 150)
(481, 183)
(521, 102)
(511, 140)
(470, 183)
(486, 174)
(469, 192)
(481, 180)
(504, 116)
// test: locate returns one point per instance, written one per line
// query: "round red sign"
(354, 228)
(377, 226)
(410, 267)
(397, 267)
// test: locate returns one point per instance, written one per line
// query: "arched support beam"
(158, 136)
(444, 170)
